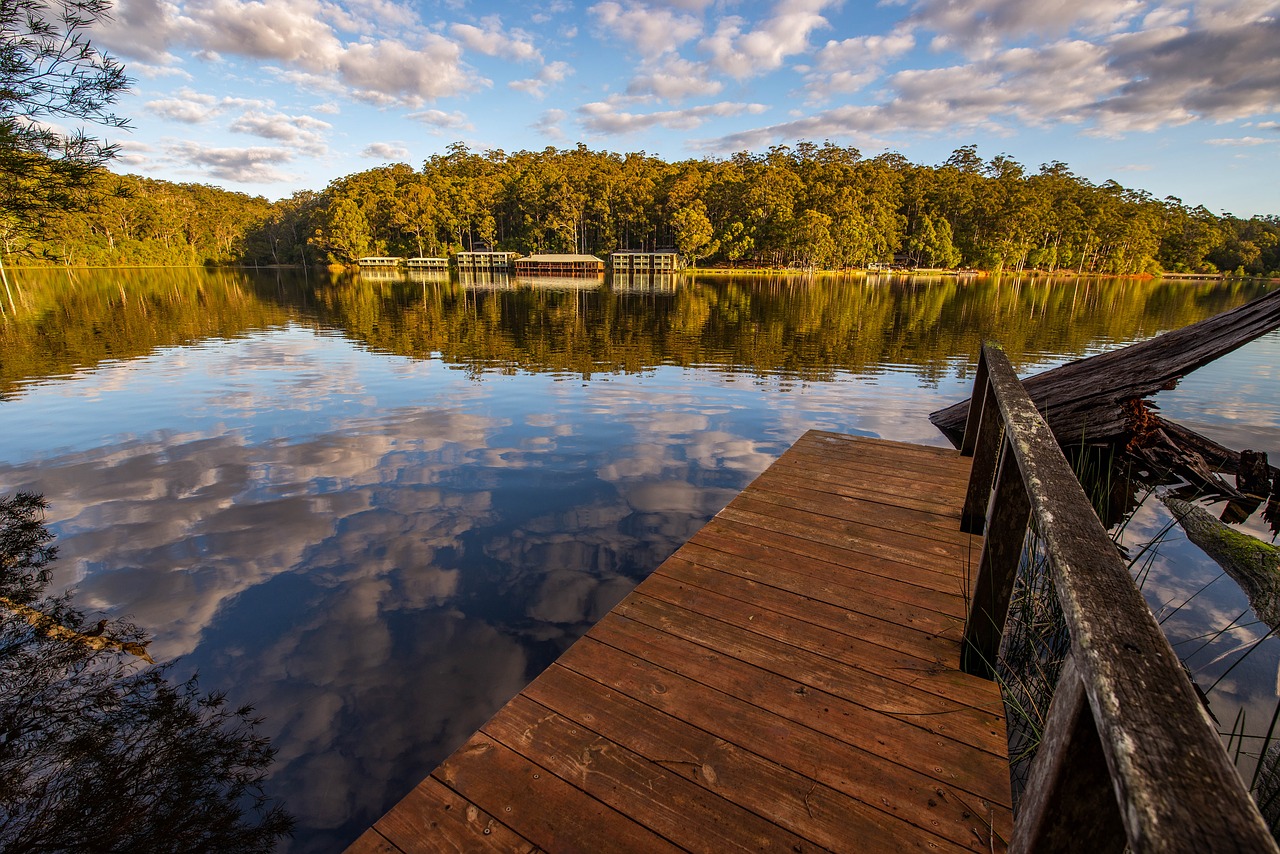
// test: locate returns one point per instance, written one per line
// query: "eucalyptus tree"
(51, 75)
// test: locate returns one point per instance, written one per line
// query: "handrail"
(1129, 754)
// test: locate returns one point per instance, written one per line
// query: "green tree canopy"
(51, 75)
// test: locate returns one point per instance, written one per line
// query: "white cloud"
(979, 27)
(323, 46)
(1242, 142)
(394, 73)
(255, 165)
(553, 72)
(1175, 75)
(134, 154)
(291, 31)
(187, 106)
(549, 124)
(440, 120)
(604, 118)
(385, 151)
(492, 41)
(1135, 81)
(674, 80)
(647, 31)
(139, 29)
(305, 132)
(744, 53)
(848, 66)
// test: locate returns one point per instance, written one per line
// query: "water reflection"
(376, 509)
(804, 328)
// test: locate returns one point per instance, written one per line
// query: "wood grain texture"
(788, 680)
(1086, 399)
(1176, 787)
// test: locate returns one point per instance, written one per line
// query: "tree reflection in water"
(377, 509)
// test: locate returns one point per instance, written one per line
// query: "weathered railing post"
(1001, 552)
(975, 405)
(986, 428)
(1068, 803)
(1128, 750)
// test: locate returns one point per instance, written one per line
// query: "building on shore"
(644, 262)
(485, 261)
(560, 265)
(427, 263)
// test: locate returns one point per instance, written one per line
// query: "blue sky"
(274, 96)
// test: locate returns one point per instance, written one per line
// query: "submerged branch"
(1253, 564)
(92, 639)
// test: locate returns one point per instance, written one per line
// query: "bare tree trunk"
(4, 276)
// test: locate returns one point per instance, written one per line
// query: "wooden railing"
(1129, 755)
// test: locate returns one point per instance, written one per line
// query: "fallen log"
(1253, 564)
(1102, 398)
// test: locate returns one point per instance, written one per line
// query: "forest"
(819, 206)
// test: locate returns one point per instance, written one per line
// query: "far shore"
(709, 271)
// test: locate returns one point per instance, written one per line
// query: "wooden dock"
(787, 681)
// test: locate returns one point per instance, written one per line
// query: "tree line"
(810, 205)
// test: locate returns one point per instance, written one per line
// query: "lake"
(376, 508)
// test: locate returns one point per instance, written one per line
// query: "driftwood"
(93, 638)
(1102, 398)
(1253, 564)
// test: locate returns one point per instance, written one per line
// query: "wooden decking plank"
(902, 476)
(693, 817)
(434, 818)
(849, 711)
(538, 805)
(895, 559)
(845, 649)
(794, 800)
(786, 681)
(875, 486)
(798, 566)
(929, 639)
(839, 502)
(944, 465)
(916, 798)
(897, 545)
(817, 546)
(856, 516)
(842, 445)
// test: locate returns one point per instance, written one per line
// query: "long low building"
(559, 265)
(485, 260)
(644, 262)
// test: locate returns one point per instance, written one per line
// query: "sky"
(273, 96)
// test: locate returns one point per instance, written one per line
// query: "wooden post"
(970, 440)
(1001, 552)
(1069, 803)
(988, 432)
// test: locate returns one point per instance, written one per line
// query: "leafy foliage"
(50, 74)
(100, 754)
(820, 206)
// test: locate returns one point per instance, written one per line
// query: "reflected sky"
(376, 512)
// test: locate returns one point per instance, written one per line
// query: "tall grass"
(1036, 640)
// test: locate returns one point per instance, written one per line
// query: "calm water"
(376, 509)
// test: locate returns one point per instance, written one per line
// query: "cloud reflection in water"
(377, 553)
